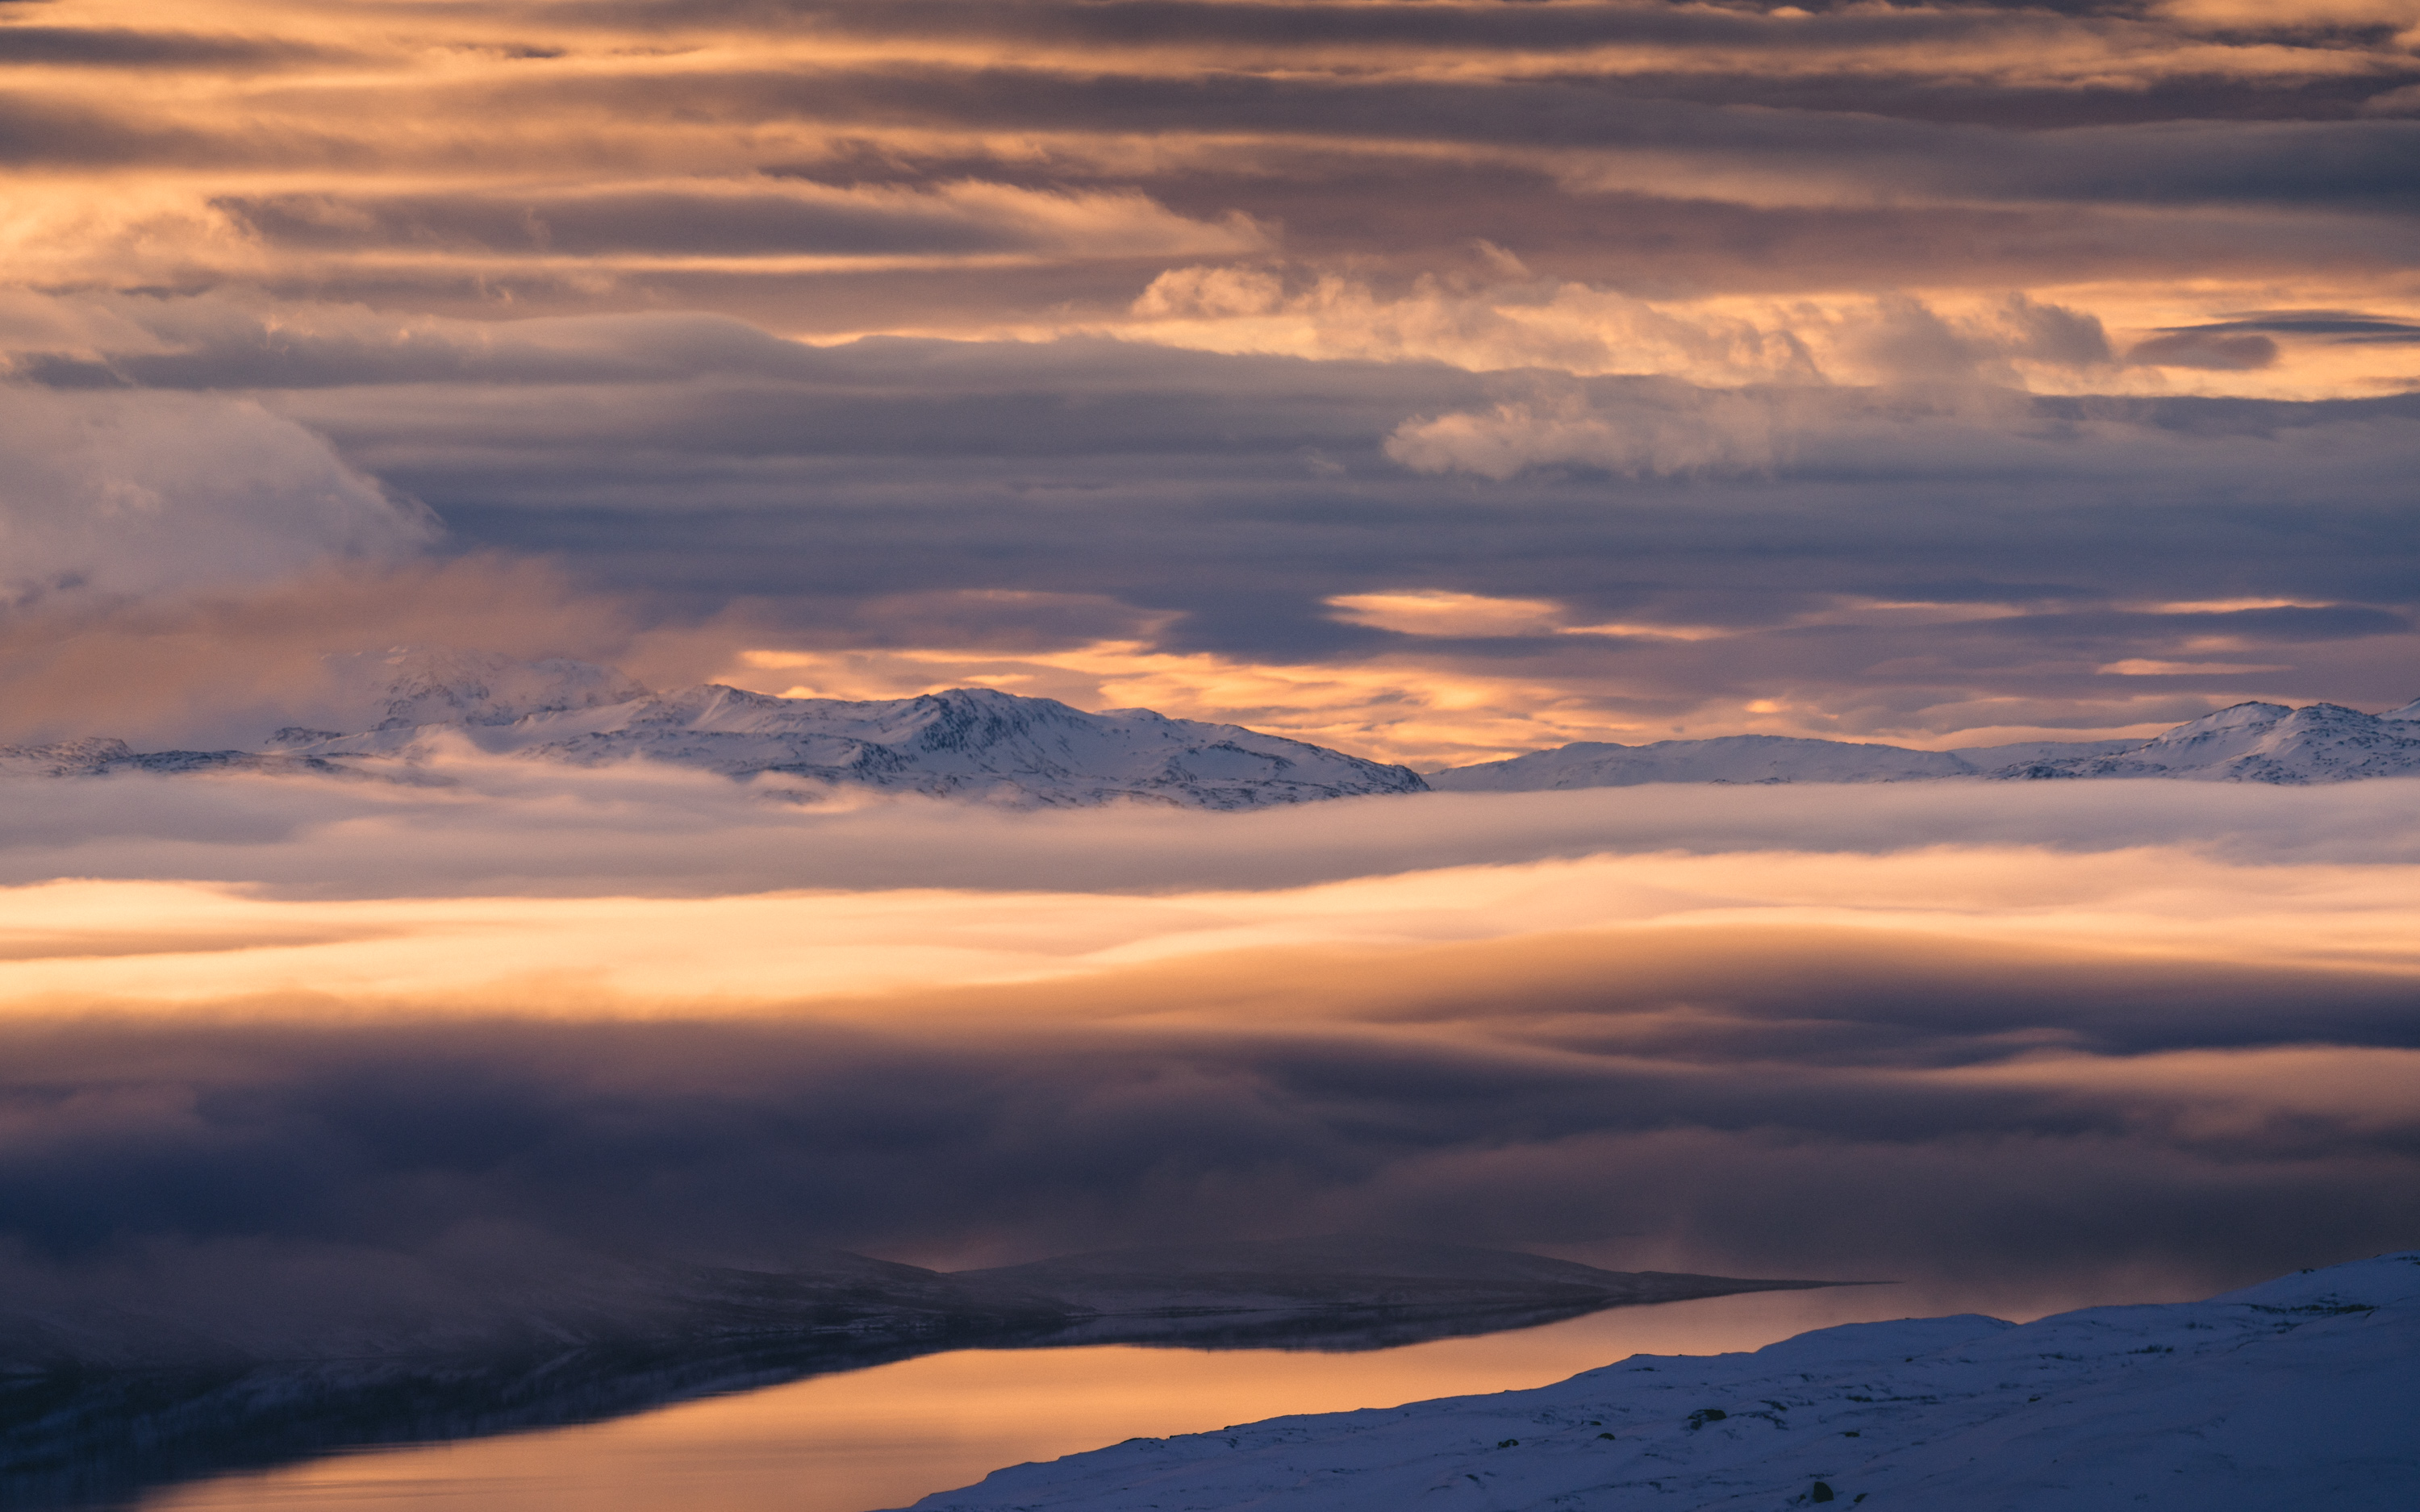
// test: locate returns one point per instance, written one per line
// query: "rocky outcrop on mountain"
(65, 758)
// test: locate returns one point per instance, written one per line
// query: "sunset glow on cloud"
(761, 319)
(1434, 381)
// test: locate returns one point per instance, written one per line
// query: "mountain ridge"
(970, 743)
(1006, 748)
(2251, 742)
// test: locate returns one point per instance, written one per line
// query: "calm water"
(883, 1437)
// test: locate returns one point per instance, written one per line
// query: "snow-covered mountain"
(975, 742)
(407, 706)
(2247, 743)
(2264, 743)
(2300, 1393)
(966, 742)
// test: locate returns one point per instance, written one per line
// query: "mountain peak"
(973, 742)
(2246, 715)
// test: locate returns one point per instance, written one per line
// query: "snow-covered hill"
(2247, 743)
(966, 742)
(2303, 1392)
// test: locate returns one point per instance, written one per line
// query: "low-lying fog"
(2059, 1042)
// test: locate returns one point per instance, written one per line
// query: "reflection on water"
(884, 1436)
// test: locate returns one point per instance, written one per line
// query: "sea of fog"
(2010, 1047)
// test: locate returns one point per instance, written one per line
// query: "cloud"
(1118, 523)
(1663, 431)
(128, 47)
(1923, 1112)
(2212, 350)
(1641, 146)
(480, 827)
(1529, 322)
(734, 220)
(220, 665)
(586, 233)
(115, 495)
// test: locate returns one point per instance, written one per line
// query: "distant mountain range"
(974, 743)
(2247, 743)
(1031, 752)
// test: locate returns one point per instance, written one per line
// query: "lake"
(884, 1436)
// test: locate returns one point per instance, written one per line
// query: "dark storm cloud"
(590, 223)
(1423, 216)
(1099, 463)
(2354, 164)
(1925, 97)
(1457, 27)
(2347, 326)
(110, 47)
(52, 133)
(698, 468)
(2214, 350)
(1479, 30)
(2287, 624)
(1777, 1100)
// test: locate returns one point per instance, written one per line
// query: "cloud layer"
(1753, 1100)
(1916, 373)
(1119, 524)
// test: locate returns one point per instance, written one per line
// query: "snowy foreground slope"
(2302, 1393)
(2247, 743)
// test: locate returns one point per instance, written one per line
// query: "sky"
(1431, 380)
